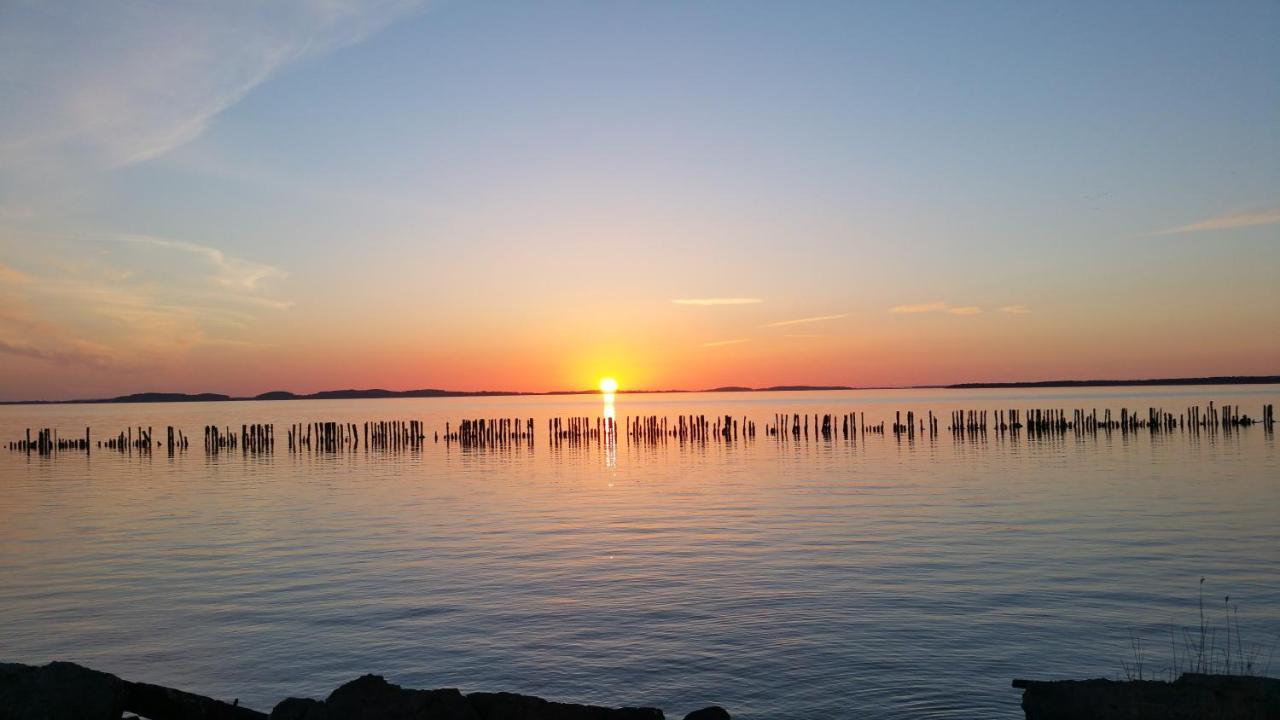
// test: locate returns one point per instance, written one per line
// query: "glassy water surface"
(874, 578)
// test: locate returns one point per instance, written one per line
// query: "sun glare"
(608, 385)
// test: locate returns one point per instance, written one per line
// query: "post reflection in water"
(610, 438)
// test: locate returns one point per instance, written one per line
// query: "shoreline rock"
(1192, 696)
(67, 691)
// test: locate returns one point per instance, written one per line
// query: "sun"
(608, 386)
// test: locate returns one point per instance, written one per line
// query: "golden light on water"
(609, 386)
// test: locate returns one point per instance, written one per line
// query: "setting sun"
(608, 385)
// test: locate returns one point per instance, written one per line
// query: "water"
(879, 579)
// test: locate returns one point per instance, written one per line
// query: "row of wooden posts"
(577, 430)
(481, 432)
(255, 438)
(1046, 421)
(252, 438)
(794, 426)
(1035, 421)
(503, 432)
(47, 441)
(652, 429)
(328, 436)
(372, 435)
(582, 430)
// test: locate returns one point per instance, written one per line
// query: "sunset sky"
(312, 194)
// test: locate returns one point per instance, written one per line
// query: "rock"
(1190, 697)
(162, 703)
(509, 706)
(299, 709)
(66, 691)
(715, 712)
(371, 697)
(60, 691)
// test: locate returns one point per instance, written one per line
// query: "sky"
(241, 196)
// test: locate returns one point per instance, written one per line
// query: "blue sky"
(204, 191)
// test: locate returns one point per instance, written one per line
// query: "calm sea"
(878, 578)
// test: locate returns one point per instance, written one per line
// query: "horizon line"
(419, 393)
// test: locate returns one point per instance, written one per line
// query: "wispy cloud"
(802, 321)
(718, 301)
(74, 356)
(9, 275)
(140, 302)
(720, 343)
(919, 308)
(1226, 222)
(150, 77)
(1016, 309)
(936, 307)
(805, 335)
(230, 272)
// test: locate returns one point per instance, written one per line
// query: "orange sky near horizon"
(660, 344)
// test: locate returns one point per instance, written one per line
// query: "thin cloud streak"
(10, 275)
(718, 301)
(58, 357)
(1016, 309)
(721, 343)
(232, 272)
(801, 321)
(938, 306)
(1226, 222)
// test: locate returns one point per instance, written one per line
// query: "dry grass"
(1205, 648)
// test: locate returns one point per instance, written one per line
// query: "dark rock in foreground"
(371, 697)
(1190, 697)
(66, 691)
(59, 691)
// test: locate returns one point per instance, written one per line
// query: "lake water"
(881, 578)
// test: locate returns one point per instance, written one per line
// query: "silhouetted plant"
(1200, 652)
(1133, 671)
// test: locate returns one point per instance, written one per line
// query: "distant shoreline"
(1217, 380)
(435, 393)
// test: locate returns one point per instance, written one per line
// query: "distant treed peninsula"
(375, 393)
